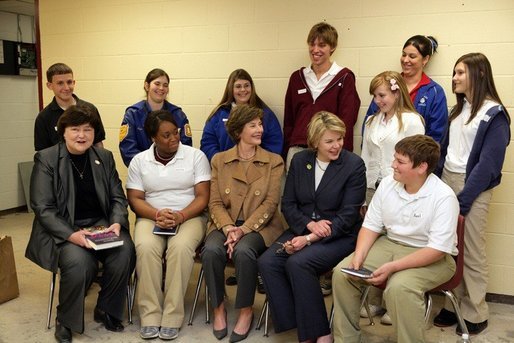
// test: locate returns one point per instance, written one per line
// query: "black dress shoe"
(62, 333)
(231, 280)
(220, 334)
(235, 337)
(110, 323)
(473, 328)
(445, 318)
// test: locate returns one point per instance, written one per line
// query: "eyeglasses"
(282, 248)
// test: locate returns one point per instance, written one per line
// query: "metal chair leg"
(50, 300)
(131, 295)
(331, 318)
(458, 313)
(364, 302)
(428, 309)
(263, 313)
(197, 295)
(207, 313)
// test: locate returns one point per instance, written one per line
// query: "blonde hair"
(320, 123)
(395, 83)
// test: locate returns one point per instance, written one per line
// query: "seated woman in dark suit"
(245, 191)
(75, 185)
(325, 188)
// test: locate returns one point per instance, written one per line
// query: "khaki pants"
(471, 291)
(158, 308)
(404, 294)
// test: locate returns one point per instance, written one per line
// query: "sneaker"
(386, 320)
(167, 334)
(445, 318)
(374, 310)
(260, 284)
(149, 332)
(326, 288)
(473, 328)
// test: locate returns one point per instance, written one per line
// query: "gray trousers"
(214, 260)
(78, 269)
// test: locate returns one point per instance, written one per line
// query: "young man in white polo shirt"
(418, 213)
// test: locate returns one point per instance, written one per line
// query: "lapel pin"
(97, 162)
(309, 166)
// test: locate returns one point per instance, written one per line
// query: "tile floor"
(23, 319)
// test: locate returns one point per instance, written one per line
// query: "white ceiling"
(25, 7)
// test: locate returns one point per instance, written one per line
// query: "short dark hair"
(154, 120)
(57, 69)
(240, 116)
(419, 149)
(78, 115)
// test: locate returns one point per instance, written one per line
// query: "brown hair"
(154, 74)
(481, 82)
(325, 32)
(419, 149)
(320, 123)
(228, 95)
(241, 115)
(78, 115)
(57, 69)
(403, 102)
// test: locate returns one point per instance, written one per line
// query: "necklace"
(162, 158)
(246, 158)
(81, 174)
(319, 166)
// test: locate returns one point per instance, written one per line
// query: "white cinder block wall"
(18, 109)
(112, 44)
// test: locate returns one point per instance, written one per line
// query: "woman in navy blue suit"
(324, 191)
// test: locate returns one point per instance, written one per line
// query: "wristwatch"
(308, 238)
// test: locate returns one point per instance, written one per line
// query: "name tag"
(302, 91)
(225, 119)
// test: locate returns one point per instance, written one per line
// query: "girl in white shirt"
(472, 155)
(396, 119)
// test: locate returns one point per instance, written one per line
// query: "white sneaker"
(386, 320)
(375, 310)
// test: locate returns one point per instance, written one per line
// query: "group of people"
(386, 210)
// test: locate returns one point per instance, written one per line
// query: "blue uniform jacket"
(430, 102)
(133, 138)
(485, 162)
(216, 139)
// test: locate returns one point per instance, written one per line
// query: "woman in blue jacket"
(427, 96)
(240, 89)
(133, 138)
(472, 155)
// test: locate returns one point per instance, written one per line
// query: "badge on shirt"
(302, 91)
(187, 130)
(123, 131)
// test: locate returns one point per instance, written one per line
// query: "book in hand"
(102, 239)
(165, 232)
(362, 272)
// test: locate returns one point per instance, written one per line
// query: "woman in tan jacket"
(245, 191)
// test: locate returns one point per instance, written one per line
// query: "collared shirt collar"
(423, 192)
(333, 70)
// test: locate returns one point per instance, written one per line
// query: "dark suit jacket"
(339, 196)
(52, 197)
